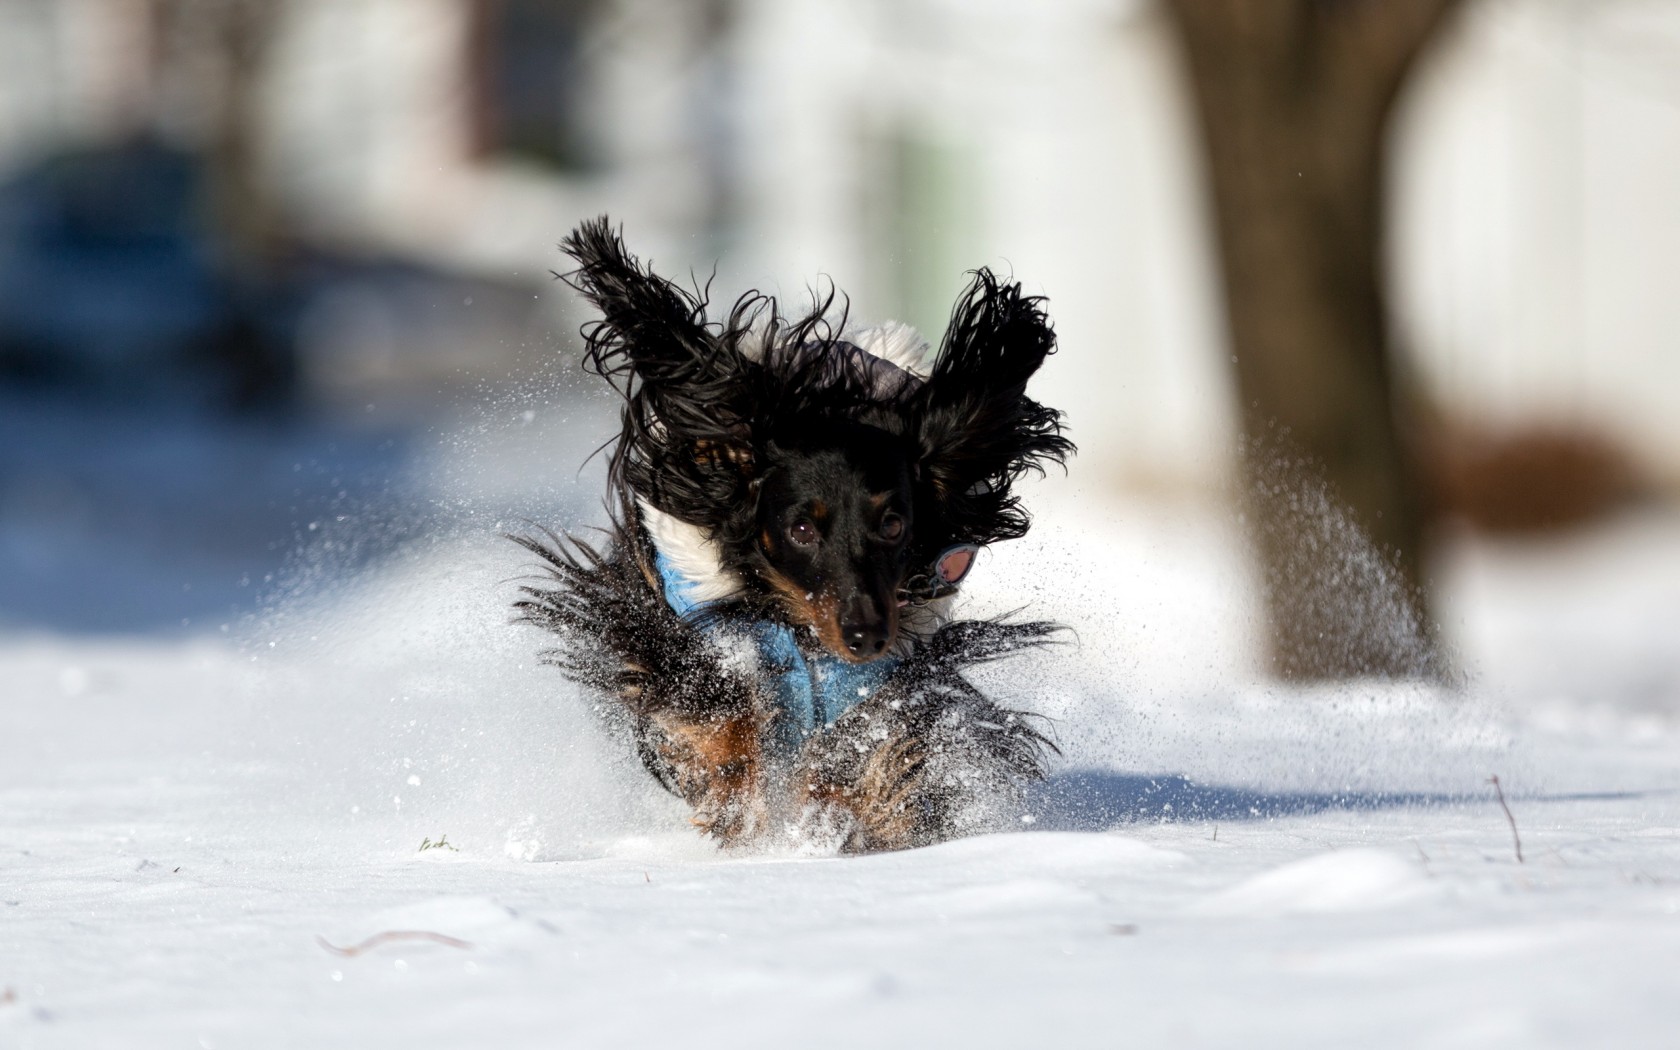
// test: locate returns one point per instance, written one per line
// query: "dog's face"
(822, 488)
(835, 517)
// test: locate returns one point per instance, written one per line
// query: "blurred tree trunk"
(219, 50)
(1294, 98)
(243, 32)
(225, 49)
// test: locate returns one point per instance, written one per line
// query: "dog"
(794, 504)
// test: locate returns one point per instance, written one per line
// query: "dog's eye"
(803, 533)
(892, 527)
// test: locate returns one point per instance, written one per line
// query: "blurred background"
(264, 262)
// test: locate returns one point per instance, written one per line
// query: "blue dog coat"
(812, 691)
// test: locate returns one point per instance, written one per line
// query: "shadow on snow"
(1095, 800)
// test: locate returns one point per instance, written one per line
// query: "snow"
(186, 816)
(1341, 880)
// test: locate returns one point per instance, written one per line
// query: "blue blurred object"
(112, 281)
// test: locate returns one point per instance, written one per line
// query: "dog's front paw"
(920, 763)
(882, 802)
(879, 780)
(732, 815)
(717, 767)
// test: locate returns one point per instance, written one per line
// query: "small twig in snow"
(392, 935)
(1516, 838)
(8, 996)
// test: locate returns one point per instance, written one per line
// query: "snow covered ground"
(190, 820)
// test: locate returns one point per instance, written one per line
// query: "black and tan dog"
(795, 504)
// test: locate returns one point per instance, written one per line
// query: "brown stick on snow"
(1516, 838)
(392, 935)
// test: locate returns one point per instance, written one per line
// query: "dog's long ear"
(652, 336)
(977, 429)
(684, 445)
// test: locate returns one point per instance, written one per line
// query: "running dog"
(794, 505)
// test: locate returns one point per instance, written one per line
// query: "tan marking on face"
(819, 511)
(821, 612)
(813, 609)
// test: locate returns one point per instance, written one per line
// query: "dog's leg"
(928, 757)
(880, 803)
(938, 767)
(718, 768)
(698, 720)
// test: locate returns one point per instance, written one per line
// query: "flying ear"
(652, 335)
(977, 429)
(686, 445)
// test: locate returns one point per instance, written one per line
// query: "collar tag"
(942, 577)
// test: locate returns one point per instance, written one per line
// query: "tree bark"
(1294, 98)
(252, 237)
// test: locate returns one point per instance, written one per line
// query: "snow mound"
(1064, 851)
(1477, 945)
(1339, 881)
(438, 924)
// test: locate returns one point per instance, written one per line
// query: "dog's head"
(830, 485)
(835, 515)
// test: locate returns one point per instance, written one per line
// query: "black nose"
(867, 641)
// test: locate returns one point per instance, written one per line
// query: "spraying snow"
(1216, 860)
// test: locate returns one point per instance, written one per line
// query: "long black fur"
(924, 757)
(700, 396)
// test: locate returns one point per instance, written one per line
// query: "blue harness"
(812, 691)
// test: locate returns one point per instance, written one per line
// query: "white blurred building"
(892, 144)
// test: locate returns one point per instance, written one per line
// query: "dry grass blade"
(392, 935)
(1515, 838)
